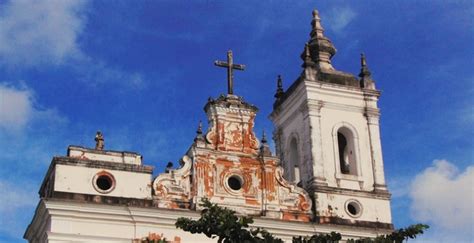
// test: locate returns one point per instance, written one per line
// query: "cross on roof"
(230, 68)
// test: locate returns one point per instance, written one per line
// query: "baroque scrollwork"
(173, 188)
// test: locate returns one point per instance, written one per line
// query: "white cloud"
(338, 18)
(18, 109)
(29, 136)
(15, 107)
(443, 197)
(399, 186)
(36, 32)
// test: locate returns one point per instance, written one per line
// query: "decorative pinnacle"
(316, 23)
(264, 137)
(199, 137)
(279, 91)
(199, 129)
(363, 62)
(169, 167)
(364, 70)
(320, 50)
(306, 56)
(264, 148)
(366, 81)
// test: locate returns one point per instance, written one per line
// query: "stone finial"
(199, 139)
(363, 62)
(320, 50)
(169, 167)
(279, 92)
(265, 148)
(306, 56)
(199, 129)
(99, 141)
(365, 75)
(264, 137)
(316, 24)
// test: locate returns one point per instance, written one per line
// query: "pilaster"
(315, 142)
(373, 116)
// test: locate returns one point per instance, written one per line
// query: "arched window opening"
(347, 157)
(294, 161)
(343, 158)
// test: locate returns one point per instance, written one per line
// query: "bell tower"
(327, 137)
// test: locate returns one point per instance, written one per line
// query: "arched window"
(343, 151)
(346, 151)
(294, 161)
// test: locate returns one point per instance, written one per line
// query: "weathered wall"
(66, 221)
(313, 113)
(227, 167)
(80, 180)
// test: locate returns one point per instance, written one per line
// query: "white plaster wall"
(373, 209)
(329, 106)
(331, 118)
(292, 121)
(294, 129)
(88, 222)
(76, 179)
(338, 105)
(92, 227)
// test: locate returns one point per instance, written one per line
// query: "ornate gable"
(229, 167)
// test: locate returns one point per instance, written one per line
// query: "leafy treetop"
(222, 223)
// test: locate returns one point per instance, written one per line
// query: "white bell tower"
(327, 137)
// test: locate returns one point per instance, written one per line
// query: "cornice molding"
(385, 195)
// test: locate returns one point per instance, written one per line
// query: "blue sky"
(141, 72)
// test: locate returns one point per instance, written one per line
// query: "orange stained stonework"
(230, 149)
(234, 136)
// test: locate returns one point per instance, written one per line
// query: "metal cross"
(230, 68)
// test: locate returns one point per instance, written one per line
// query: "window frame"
(352, 140)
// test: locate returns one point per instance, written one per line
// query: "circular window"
(353, 208)
(104, 182)
(235, 183)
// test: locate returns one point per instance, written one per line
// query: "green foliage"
(332, 237)
(221, 222)
(397, 236)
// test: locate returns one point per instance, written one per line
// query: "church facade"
(327, 173)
